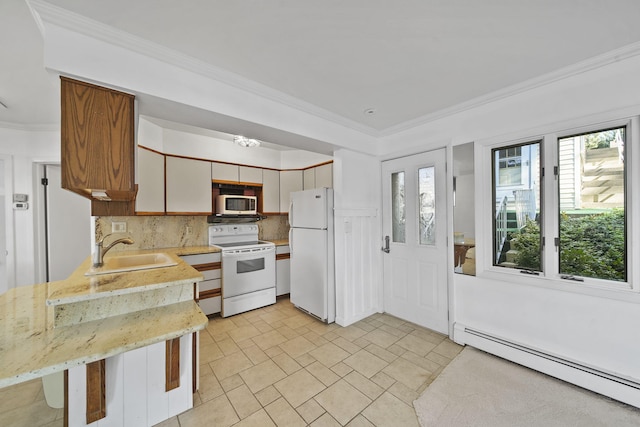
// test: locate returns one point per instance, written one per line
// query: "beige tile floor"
(277, 366)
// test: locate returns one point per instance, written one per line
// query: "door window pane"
(427, 205)
(397, 207)
(517, 219)
(591, 182)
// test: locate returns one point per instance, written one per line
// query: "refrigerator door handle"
(290, 212)
(290, 240)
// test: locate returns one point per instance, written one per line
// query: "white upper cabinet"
(318, 177)
(324, 176)
(188, 186)
(270, 191)
(225, 172)
(250, 175)
(309, 178)
(150, 198)
(290, 181)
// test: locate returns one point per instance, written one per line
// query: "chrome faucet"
(100, 252)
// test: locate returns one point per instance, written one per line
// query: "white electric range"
(248, 267)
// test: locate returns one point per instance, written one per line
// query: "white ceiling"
(405, 59)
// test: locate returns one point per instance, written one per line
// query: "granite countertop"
(31, 347)
(280, 242)
(79, 287)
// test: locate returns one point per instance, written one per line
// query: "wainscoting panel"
(358, 285)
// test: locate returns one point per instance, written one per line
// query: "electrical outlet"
(188, 230)
(119, 227)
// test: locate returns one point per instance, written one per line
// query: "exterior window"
(517, 215)
(574, 229)
(592, 200)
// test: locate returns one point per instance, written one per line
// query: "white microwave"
(227, 204)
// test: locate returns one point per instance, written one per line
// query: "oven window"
(247, 266)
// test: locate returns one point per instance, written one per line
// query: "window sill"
(617, 291)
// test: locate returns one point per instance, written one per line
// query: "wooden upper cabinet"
(97, 130)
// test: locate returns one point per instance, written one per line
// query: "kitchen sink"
(124, 263)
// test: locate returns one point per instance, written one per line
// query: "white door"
(68, 227)
(414, 222)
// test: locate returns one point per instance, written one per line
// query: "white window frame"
(550, 276)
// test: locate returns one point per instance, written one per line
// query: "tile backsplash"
(154, 232)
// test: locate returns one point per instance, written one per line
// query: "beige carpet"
(478, 389)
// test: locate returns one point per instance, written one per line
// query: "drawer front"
(211, 275)
(282, 249)
(201, 258)
(207, 285)
(210, 305)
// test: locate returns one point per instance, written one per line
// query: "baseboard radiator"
(625, 390)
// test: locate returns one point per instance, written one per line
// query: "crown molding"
(593, 63)
(46, 12)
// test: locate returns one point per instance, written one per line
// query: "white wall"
(596, 329)
(26, 148)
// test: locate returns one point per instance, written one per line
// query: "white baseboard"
(609, 384)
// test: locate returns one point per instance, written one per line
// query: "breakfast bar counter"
(33, 344)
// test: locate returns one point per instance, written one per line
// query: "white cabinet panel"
(188, 186)
(135, 415)
(283, 272)
(135, 388)
(324, 176)
(309, 179)
(150, 196)
(290, 181)
(201, 258)
(250, 175)
(224, 172)
(211, 280)
(270, 191)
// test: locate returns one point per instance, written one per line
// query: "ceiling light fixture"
(243, 141)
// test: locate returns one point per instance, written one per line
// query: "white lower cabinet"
(209, 298)
(283, 272)
(135, 385)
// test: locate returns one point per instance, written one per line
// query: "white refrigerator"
(312, 253)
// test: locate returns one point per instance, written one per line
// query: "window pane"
(427, 201)
(517, 217)
(397, 207)
(591, 182)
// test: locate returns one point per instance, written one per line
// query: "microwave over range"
(227, 204)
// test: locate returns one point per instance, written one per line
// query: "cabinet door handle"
(386, 248)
